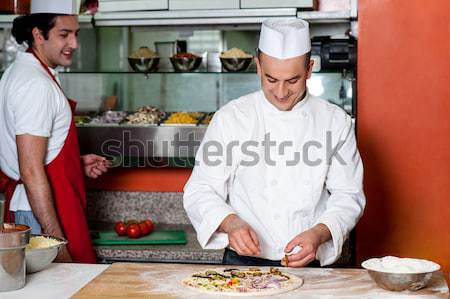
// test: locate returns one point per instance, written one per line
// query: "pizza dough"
(243, 281)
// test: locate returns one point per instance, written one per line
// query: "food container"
(183, 118)
(235, 60)
(17, 7)
(40, 258)
(185, 62)
(143, 65)
(109, 118)
(236, 64)
(395, 279)
(144, 60)
(146, 115)
(13, 239)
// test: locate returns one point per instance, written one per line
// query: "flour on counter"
(392, 264)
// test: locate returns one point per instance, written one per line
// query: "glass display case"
(107, 88)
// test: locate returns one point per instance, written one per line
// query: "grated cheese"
(41, 242)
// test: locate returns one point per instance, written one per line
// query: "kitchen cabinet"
(131, 5)
(304, 4)
(203, 4)
(15, 6)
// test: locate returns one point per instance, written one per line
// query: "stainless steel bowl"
(185, 64)
(144, 65)
(399, 281)
(40, 258)
(236, 64)
(13, 239)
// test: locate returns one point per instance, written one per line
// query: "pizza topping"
(254, 273)
(275, 271)
(212, 275)
(230, 269)
(239, 280)
(236, 273)
(254, 269)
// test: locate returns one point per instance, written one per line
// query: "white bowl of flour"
(397, 274)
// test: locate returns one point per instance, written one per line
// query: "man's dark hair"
(307, 58)
(23, 26)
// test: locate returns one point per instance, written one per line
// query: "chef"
(278, 176)
(42, 172)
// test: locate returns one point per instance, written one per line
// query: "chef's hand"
(63, 256)
(309, 241)
(94, 165)
(241, 236)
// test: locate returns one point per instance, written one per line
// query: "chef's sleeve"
(34, 108)
(347, 201)
(205, 193)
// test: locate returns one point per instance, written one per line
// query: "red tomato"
(133, 231)
(145, 230)
(150, 225)
(120, 228)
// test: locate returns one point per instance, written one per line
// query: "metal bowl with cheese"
(41, 251)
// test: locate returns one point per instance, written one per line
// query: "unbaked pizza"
(245, 281)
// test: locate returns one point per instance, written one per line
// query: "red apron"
(66, 179)
(7, 186)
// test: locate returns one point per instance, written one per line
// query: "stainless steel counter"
(141, 141)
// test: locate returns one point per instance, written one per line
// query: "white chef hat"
(60, 7)
(283, 39)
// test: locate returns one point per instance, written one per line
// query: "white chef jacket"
(30, 103)
(282, 199)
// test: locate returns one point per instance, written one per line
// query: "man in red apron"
(42, 171)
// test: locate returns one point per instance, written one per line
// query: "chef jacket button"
(304, 114)
(276, 217)
(274, 183)
(306, 182)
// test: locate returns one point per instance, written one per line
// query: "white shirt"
(30, 103)
(282, 200)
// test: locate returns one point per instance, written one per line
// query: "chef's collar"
(298, 108)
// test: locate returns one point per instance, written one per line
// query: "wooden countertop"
(125, 280)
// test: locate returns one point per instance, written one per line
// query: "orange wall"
(404, 128)
(142, 179)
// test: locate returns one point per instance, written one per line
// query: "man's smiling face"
(61, 43)
(283, 81)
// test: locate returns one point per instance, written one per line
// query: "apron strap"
(46, 68)
(8, 186)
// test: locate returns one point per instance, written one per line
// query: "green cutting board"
(158, 237)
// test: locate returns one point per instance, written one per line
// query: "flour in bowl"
(392, 264)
